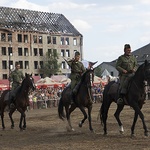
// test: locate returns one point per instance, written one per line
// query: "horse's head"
(30, 81)
(88, 77)
(147, 71)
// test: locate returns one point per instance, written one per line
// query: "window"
(49, 52)
(35, 64)
(10, 52)
(55, 52)
(74, 41)
(40, 51)
(68, 67)
(48, 39)
(112, 73)
(40, 40)
(63, 52)
(35, 52)
(26, 64)
(19, 51)
(54, 40)
(41, 64)
(62, 42)
(10, 64)
(3, 50)
(19, 37)
(67, 53)
(67, 41)
(3, 37)
(26, 52)
(4, 76)
(21, 64)
(9, 37)
(25, 38)
(63, 65)
(34, 38)
(4, 64)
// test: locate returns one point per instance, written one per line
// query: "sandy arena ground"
(45, 131)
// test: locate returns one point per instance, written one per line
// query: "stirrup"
(120, 101)
(12, 105)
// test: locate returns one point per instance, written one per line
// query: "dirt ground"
(45, 131)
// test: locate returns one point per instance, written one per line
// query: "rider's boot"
(120, 100)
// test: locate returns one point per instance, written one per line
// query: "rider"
(77, 69)
(126, 65)
(16, 78)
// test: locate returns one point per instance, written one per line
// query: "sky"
(106, 25)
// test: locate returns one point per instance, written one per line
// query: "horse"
(21, 101)
(134, 98)
(82, 100)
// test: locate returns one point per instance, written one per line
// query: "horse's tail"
(61, 109)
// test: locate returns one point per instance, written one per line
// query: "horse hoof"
(132, 136)
(80, 124)
(121, 132)
(105, 134)
(146, 134)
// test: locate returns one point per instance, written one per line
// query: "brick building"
(26, 36)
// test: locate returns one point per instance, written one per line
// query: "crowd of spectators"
(49, 97)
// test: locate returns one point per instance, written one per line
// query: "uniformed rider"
(16, 78)
(77, 69)
(126, 66)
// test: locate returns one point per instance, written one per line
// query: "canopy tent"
(48, 82)
(98, 80)
(4, 84)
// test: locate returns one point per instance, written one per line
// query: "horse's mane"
(84, 75)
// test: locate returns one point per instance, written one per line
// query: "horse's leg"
(104, 113)
(68, 112)
(24, 121)
(85, 116)
(2, 117)
(117, 114)
(10, 116)
(134, 122)
(89, 117)
(138, 111)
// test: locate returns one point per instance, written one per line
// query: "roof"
(142, 53)
(28, 20)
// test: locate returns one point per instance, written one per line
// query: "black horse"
(21, 101)
(83, 99)
(135, 98)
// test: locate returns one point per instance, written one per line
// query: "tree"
(50, 64)
(98, 71)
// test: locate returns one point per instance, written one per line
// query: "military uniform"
(77, 69)
(16, 77)
(128, 63)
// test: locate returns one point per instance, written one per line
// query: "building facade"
(26, 36)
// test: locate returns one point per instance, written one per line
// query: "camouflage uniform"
(128, 63)
(77, 69)
(16, 77)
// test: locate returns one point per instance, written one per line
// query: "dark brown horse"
(21, 101)
(135, 98)
(83, 99)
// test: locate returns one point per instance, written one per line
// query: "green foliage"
(98, 71)
(50, 64)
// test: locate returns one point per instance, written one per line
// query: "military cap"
(127, 46)
(77, 53)
(17, 63)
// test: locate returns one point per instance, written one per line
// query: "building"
(26, 36)
(141, 54)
